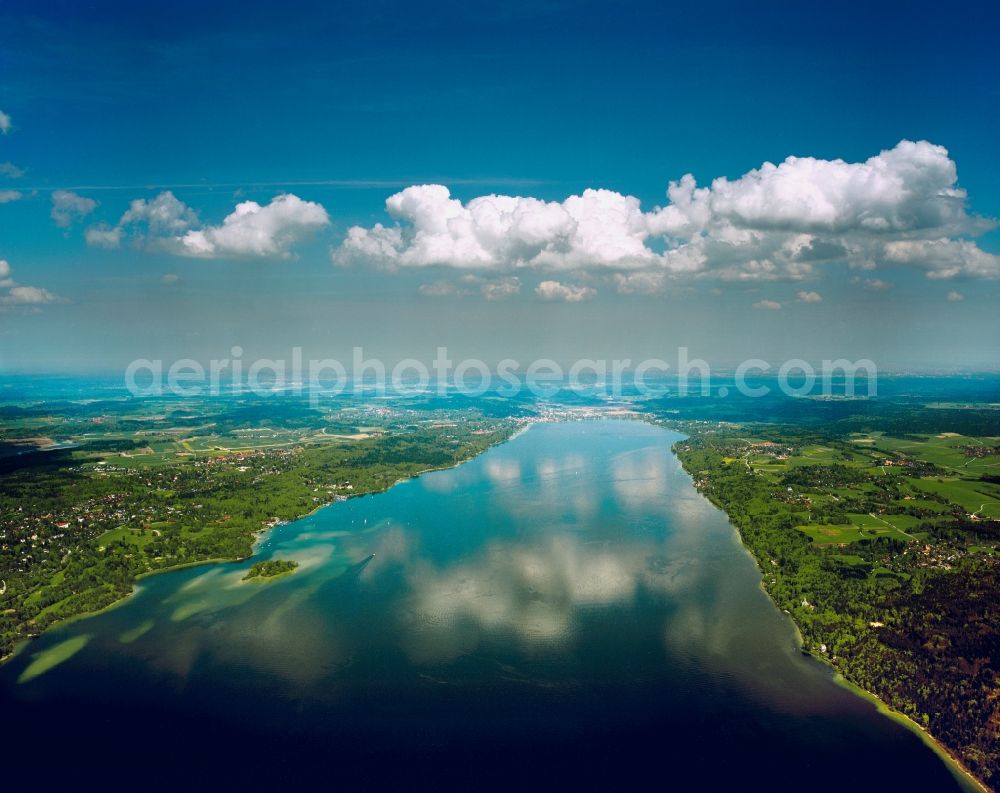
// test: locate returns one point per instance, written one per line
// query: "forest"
(869, 542)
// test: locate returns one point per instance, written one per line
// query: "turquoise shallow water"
(565, 607)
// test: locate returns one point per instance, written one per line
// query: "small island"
(271, 568)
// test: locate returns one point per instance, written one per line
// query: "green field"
(944, 450)
(948, 452)
(861, 527)
(973, 496)
(128, 535)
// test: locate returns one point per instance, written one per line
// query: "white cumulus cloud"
(104, 236)
(767, 305)
(250, 230)
(9, 196)
(255, 230)
(5, 123)
(955, 297)
(32, 295)
(501, 288)
(599, 227)
(909, 187)
(69, 207)
(20, 295)
(554, 290)
(161, 216)
(945, 258)
(781, 222)
(809, 297)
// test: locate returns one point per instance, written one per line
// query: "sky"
(547, 179)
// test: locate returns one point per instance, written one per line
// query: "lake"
(565, 609)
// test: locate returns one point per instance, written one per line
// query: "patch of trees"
(270, 568)
(835, 475)
(113, 445)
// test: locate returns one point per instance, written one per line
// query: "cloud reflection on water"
(559, 538)
(529, 551)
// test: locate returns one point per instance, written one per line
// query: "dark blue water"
(565, 610)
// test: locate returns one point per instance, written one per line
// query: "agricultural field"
(828, 533)
(977, 498)
(879, 485)
(865, 527)
(960, 454)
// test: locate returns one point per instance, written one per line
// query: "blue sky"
(345, 105)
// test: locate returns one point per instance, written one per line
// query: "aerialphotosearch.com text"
(364, 377)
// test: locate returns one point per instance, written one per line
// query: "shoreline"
(27, 640)
(957, 768)
(258, 535)
(954, 764)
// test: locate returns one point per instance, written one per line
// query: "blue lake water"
(563, 610)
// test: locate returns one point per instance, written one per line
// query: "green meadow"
(975, 497)
(946, 450)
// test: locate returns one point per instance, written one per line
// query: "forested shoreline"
(904, 605)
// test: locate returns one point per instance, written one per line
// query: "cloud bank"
(902, 207)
